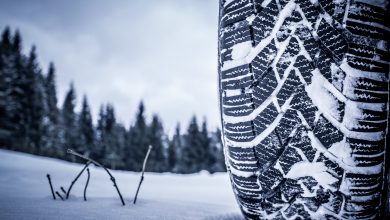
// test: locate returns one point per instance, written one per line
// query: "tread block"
(269, 179)
(264, 88)
(288, 88)
(323, 63)
(365, 30)
(289, 157)
(235, 72)
(305, 68)
(335, 202)
(368, 65)
(240, 13)
(238, 111)
(251, 205)
(292, 49)
(234, 5)
(362, 180)
(285, 30)
(287, 124)
(309, 182)
(367, 96)
(237, 83)
(364, 161)
(302, 103)
(301, 141)
(368, 13)
(370, 115)
(238, 100)
(290, 189)
(239, 127)
(235, 36)
(240, 137)
(311, 13)
(366, 209)
(247, 191)
(368, 84)
(326, 133)
(268, 151)
(242, 154)
(336, 9)
(309, 43)
(244, 167)
(264, 21)
(364, 147)
(368, 52)
(265, 118)
(296, 211)
(368, 126)
(262, 61)
(332, 40)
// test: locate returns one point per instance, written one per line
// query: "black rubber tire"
(304, 93)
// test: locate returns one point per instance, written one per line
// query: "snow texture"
(25, 193)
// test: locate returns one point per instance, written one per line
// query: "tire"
(304, 93)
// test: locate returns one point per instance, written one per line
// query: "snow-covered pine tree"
(6, 125)
(53, 146)
(36, 104)
(69, 131)
(174, 150)
(157, 161)
(191, 160)
(86, 129)
(137, 142)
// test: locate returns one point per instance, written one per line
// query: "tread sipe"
(304, 96)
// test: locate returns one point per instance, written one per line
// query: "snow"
(25, 193)
(321, 96)
(241, 50)
(317, 170)
(343, 151)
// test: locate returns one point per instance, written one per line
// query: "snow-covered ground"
(25, 193)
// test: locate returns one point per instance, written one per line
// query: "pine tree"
(157, 157)
(13, 127)
(69, 119)
(206, 158)
(98, 152)
(110, 143)
(86, 130)
(192, 151)
(6, 126)
(174, 150)
(38, 123)
(137, 143)
(53, 146)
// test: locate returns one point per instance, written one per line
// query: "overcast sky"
(161, 51)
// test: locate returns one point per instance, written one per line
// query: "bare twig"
(70, 151)
(77, 177)
(143, 171)
(59, 195)
(86, 185)
(51, 186)
(63, 190)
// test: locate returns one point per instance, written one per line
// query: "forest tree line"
(32, 121)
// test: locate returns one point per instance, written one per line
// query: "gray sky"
(117, 51)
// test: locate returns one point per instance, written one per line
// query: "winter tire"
(304, 93)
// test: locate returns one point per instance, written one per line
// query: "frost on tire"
(304, 90)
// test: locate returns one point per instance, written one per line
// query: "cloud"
(164, 52)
